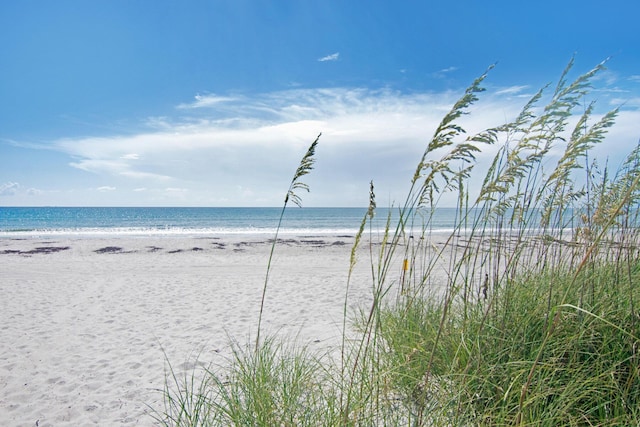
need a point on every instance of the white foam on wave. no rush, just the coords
(168, 231)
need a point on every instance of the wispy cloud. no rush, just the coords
(448, 70)
(441, 74)
(105, 189)
(512, 90)
(9, 188)
(625, 102)
(332, 57)
(34, 192)
(243, 151)
(174, 190)
(607, 77)
(209, 100)
(13, 189)
(611, 90)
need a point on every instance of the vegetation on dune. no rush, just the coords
(534, 321)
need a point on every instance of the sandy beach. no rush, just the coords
(85, 323)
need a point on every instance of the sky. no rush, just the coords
(214, 102)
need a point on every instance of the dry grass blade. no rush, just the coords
(305, 166)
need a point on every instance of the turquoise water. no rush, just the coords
(104, 221)
(163, 221)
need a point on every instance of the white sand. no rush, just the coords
(83, 334)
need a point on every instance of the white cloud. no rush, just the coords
(625, 102)
(607, 77)
(259, 142)
(448, 70)
(444, 73)
(207, 101)
(332, 57)
(246, 149)
(512, 90)
(105, 160)
(612, 90)
(105, 189)
(144, 175)
(9, 188)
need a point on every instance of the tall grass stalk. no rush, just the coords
(305, 166)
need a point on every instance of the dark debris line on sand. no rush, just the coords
(177, 251)
(112, 250)
(38, 250)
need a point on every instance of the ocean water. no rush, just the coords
(105, 221)
(148, 221)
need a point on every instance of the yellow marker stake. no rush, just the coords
(405, 265)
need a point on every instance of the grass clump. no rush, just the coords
(522, 363)
(276, 384)
(525, 315)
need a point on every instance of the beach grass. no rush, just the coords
(533, 322)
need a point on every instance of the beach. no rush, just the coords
(89, 325)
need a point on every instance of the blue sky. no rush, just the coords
(213, 103)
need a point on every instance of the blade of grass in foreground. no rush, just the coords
(305, 166)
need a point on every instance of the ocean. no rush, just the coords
(147, 221)
(157, 221)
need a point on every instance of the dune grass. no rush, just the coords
(534, 322)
